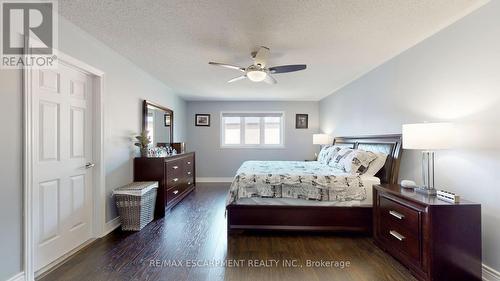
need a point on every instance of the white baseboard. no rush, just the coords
(490, 274)
(215, 179)
(111, 225)
(17, 277)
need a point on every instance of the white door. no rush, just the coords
(63, 174)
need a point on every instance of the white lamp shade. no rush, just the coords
(427, 136)
(322, 139)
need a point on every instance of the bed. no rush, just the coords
(307, 210)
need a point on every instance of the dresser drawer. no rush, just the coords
(188, 164)
(397, 213)
(174, 168)
(174, 192)
(189, 180)
(174, 181)
(401, 240)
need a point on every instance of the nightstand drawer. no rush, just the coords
(401, 239)
(435, 239)
(399, 214)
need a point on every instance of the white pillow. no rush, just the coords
(358, 161)
(376, 164)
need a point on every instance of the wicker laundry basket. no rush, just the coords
(136, 204)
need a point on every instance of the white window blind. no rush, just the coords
(252, 129)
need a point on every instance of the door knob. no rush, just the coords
(89, 165)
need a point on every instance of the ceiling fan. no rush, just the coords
(258, 71)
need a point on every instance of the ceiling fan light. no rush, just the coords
(256, 75)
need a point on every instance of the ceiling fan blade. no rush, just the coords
(287, 68)
(237, 79)
(261, 56)
(242, 69)
(270, 80)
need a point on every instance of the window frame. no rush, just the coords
(261, 127)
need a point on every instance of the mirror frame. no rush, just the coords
(145, 105)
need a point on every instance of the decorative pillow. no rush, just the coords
(376, 164)
(332, 152)
(323, 154)
(337, 160)
(326, 153)
(358, 161)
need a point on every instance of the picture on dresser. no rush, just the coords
(301, 121)
(202, 120)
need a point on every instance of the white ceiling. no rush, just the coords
(339, 40)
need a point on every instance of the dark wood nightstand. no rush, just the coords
(436, 240)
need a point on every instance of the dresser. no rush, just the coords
(175, 176)
(435, 239)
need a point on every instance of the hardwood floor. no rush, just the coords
(195, 232)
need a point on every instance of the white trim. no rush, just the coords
(490, 274)
(242, 132)
(214, 179)
(28, 236)
(111, 225)
(98, 192)
(17, 277)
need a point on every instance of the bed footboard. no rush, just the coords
(299, 218)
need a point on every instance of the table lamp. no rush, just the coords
(322, 139)
(427, 137)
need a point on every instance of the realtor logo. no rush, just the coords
(28, 34)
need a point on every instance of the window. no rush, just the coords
(252, 129)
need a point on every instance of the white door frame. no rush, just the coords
(98, 192)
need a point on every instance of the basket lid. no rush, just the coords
(136, 188)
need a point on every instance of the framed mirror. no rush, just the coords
(159, 122)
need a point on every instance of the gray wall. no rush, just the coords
(11, 173)
(452, 76)
(214, 161)
(125, 86)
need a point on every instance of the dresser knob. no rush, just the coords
(175, 167)
(189, 183)
(175, 179)
(396, 215)
(189, 162)
(189, 173)
(175, 191)
(396, 235)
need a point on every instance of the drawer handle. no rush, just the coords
(175, 179)
(175, 167)
(189, 173)
(396, 215)
(396, 235)
(189, 162)
(175, 191)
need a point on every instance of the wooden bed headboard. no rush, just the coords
(387, 144)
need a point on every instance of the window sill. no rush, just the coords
(251, 147)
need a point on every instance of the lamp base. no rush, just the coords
(426, 191)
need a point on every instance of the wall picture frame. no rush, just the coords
(167, 120)
(301, 121)
(202, 120)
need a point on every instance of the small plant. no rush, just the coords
(143, 142)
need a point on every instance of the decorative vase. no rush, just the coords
(144, 152)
